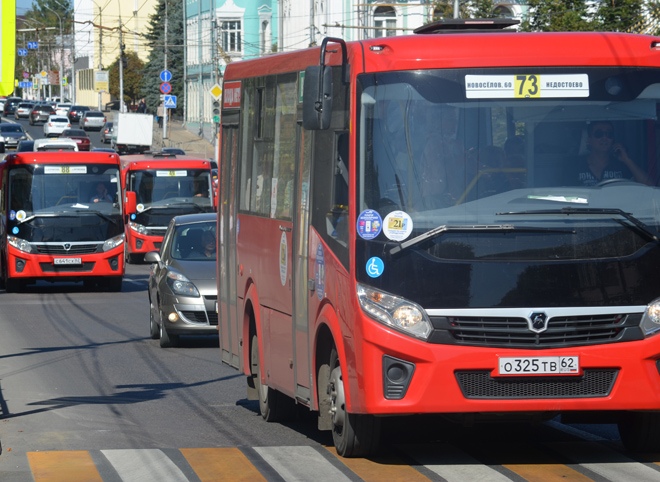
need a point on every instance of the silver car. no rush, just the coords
(182, 282)
(11, 134)
(92, 119)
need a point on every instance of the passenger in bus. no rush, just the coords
(606, 158)
(102, 195)
(514, 162)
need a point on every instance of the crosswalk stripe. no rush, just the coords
(547, 473)
(377, 469)
(213, 464)
(606, 462)
(301, 463)
(144, 464)
(63, 466)
(452, 464)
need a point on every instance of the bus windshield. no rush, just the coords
(494, 166)
(64, 202)
(158, 188)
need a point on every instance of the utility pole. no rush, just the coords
(61, 53)
(165, 109)
(122, 59)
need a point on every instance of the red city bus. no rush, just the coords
(156, 188)
(61, 219)
(408, 225)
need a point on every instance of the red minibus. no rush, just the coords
(422, 225)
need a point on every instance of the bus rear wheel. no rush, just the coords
(640, 431)
(354, 435)
(274, 406)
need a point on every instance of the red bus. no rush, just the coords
(158, 187)
(415, 225)
(61, 219)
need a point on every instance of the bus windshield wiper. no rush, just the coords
(30, 218)
(643, 229)
(483, 228)
(195, 205)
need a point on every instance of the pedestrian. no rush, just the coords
(160, 113)
(142, 106)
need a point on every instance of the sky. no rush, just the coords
(22, 6)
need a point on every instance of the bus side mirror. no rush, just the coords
(317, 97)
(130, 203)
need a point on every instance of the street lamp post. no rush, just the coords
(61, 53)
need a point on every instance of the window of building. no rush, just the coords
(231, 36)
(384, 22)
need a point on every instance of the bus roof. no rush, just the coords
(61, 157)
(150, 161)
(467, 49)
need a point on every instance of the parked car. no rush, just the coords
(80, 136)
(173, 150)
(22, 110)
(58, 144)
(40, 113)
(10, 105)
(62, 108)
(103, 149)
(112, 105)
(106, 132)
(92, 119)
(182, 288)
(11, 134)
(75, 113)
(55, 125)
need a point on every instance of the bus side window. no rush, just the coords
(339, 214)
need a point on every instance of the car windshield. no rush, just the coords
(11, 128)
(74, 132)
(195, 242)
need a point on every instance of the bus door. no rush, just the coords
(226, 275)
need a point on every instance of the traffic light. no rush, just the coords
(124, 61)
(216, 111)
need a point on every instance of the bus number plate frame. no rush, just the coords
(67, 261)
(538, 366)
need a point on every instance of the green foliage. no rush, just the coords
(133, 76)
(558, 16)
(175, 47)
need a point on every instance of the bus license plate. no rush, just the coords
(539, 365)
(67, 261)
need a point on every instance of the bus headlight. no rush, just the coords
(113, 242)
(138, 227)
(650, 324)
(394, 311)
(19, 244)
(180, 285)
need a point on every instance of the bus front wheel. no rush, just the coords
(640, 431)
(354, 435)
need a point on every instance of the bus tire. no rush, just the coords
(640, 431)
(112, 283)
(13, 285)
(354, 435)
(274, 406)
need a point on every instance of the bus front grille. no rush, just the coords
(592, 383)
(513, 332)
(68, 248)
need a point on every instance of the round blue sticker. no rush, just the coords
(15, 230)
(375, 267)
(369, 224)
(320, 272)
(132, 216)
(12, 215)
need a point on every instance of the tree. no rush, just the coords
(620, 16)
(558, 16)
(132, 78)
(172, 12)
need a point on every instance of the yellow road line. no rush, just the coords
(215, 464)
(63, 466)
(547, 472)
(377, 469)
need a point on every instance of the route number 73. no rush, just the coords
(527, 86)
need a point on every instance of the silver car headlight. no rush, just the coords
(650, 324)
(181, 285)
(138, 227)
(113, 242)
(19, 244)
(394, 311)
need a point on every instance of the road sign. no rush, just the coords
(165, 76)
(216, 91)
(166, 87)
(22, 52)
(33, 45)
(170, 102)
(26, 75)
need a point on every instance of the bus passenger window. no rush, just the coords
(338, 227)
